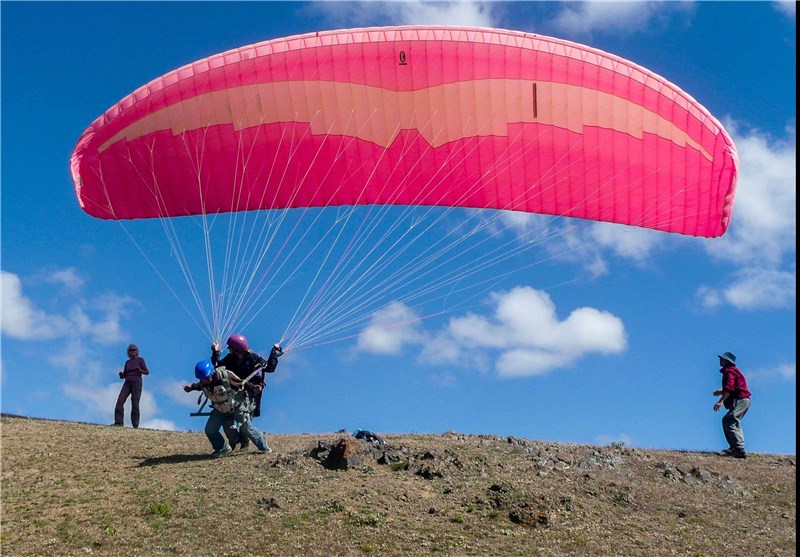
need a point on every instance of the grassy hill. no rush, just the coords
(80, 489)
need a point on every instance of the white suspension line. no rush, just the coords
(110, 208)
(490, 263)
(468, 192)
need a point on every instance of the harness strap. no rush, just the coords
(235, 398)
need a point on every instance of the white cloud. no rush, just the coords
(83, 323)
(759, 247)
(761, 243)
(781, 372)
(86, 381)
(470, 14)
(761, 289)
(479, 14)
(581, 18)
(559, 238)
(524, 337)
(164, 425)
(174, 391)
(788, 371)
(389, 329)
(623, 438)
(763, 227)
(591, 330)
(474, 330)
(523, 223)
(786, 7)
(23, 320)
(589, 244)
(527, 318)
(74, 357)
(68, 278)
(709, 297)
(753, 289)
(101, 400)
(95, 398)
(627, 241)
(107, 329)
(445, 379)
(585, 18)
(526, 362)
(441, 349)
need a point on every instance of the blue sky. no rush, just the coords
(611, 336)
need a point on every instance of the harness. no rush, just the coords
(225, 398)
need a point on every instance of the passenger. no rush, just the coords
(226, 393)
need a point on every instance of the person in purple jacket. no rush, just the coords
(132, 373)
(735, 397)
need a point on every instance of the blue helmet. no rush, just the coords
(204, 369)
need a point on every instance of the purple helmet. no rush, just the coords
(237, 343)
(204, 369)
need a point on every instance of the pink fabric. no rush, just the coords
(413, 115)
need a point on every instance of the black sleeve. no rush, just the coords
(228, 362)
(258, 360)
(272, 361)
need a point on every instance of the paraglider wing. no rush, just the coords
(440, 116)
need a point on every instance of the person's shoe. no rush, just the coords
(739, 453)
(726, 452)
(244, 447)
(117, 425)
(265, 450)
(223, 451)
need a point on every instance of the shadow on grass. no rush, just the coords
(172, 459)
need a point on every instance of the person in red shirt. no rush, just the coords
(132, 373)
(735, 397)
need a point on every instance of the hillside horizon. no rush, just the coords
(342, 431)
(73, 488)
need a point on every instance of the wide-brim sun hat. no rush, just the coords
(730, 356)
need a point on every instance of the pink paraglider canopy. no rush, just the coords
(443, 116)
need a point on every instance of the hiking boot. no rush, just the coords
(726, 452)
(117, 425)
(265, 450)
(223, 451)
(739, 453)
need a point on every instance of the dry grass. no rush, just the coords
(81, 489)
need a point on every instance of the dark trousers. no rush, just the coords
(131, 389)
(257, 404)
(732, 423)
